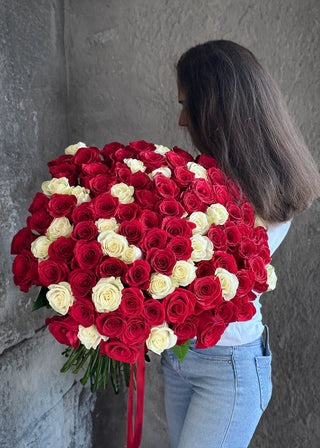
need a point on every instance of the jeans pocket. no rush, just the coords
(263, 366)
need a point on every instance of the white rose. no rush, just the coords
(162, 170)
(161, 149)
(131, 254)
(72, 149)
(201, 222)
(217, 214)
(135, 165)
(106, 295)
(123, 192)
(60, 297)
(107, 224)
(113, 244)
(161, 338)
(202, 248)
(90, 337)
(161, 285)
(82, 194)
(229, 283)
(272, 277)
(198, 170)
(40, 246)
(56, 185)
(59, 227)
(184, 272)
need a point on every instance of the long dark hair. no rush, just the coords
(237, 114)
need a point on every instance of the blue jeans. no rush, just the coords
(216, 396)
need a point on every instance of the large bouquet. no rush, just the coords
(139, 247)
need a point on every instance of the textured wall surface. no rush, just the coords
(121, 58)
(99, 71)
(39, 406)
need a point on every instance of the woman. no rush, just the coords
(235, 113)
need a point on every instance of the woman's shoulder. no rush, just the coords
(277, 231)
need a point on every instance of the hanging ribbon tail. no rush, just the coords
(134, 440)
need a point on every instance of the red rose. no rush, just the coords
(87, 155)
(192, 203)
(246, 310)
(153, 312)
(120, 351)
(105, 205)
(234, 211)
(152, 160)
(94, 169)
(170, 207)
(246, 282)
(125, 153)
(174, 160)
(162, 260)
(65, 159)
(225, 261)
(220, 194)
(65, 170)
(52, 271)
(257, 265)
(245, 230)
(182, 153)
(39, 203)
(127, 212)
(83, 312)
(209, 331)
(165, 187)
(136, 331)
(64, 330)
(25, 270)
(138, 274)
(88, 255)
(264, 253)
(227, 311)
(183, 176)
(123, 173)
(154, 238)
(62, 249)
(150, 219)
(82, 281)
(260, 236)
(178, 305)
(22, 240)
(216, 176)
(133, 231)
(233, 234)
(218, 236)
(112, 267)
(108, 151)
(39, 221)
(83, 212)
(99, 184)
(186, 330)
(235, 191)
(181, 247)
(203, 189)
(85, 230)
(131, 302)
(205, 268)
(247, 214)
(178, 227)
(111, 324)
(61, 205)
(247, 248)
(139, 180)
(142, 145)
(146, 198)
(207, 162)
(208, 292)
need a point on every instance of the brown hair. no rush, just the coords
(237, 115)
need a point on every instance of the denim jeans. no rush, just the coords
(216, 396)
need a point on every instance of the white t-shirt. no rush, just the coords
(238, 333)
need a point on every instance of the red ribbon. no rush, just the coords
(134, 439)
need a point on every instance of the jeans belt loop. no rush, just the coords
(266, 341)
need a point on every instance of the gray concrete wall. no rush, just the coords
(98, 71)
(121, 57)
(39, 406)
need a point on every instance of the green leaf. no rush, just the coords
(180, 351)
(41, 300)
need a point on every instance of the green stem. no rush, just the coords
(73, 357)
